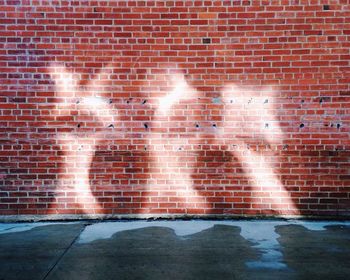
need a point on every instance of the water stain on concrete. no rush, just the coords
(19, 227)
(29, 251)
(219, 252)
(261, 234)
(316, 254)
(197, 249)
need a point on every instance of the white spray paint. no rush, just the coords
(256, 165)
(171, 147)
(77, 162)
(167, 101)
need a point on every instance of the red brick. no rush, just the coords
(205, 142)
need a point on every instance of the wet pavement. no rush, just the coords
(195, 249)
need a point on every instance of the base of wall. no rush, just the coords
(91, 217)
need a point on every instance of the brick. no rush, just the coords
(174, 108)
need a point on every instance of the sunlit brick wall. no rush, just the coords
(175, 107)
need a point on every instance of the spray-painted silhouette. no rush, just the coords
(245, 119)
(93, 118)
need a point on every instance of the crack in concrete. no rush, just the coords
(64, 252)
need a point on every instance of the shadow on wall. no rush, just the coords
(169, 148)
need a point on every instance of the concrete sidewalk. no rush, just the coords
(197, 249)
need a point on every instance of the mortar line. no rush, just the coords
(64, 253)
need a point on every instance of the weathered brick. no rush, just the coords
(177, 107)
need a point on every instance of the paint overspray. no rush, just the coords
(79, 145)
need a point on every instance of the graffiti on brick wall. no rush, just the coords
(180, 128)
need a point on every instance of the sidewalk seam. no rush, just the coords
(64, 253)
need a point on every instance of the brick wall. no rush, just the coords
(175, 107)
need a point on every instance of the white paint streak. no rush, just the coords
(180, 91)
(166, 148)
(265, 179)
(77, 162)
(95, 102)
(259, 166)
